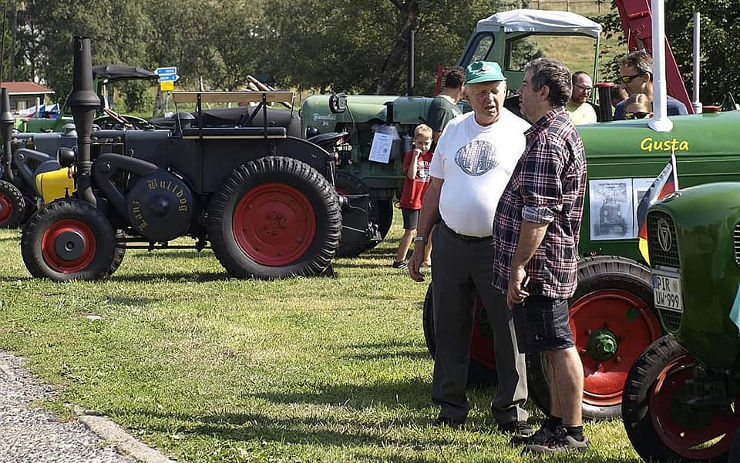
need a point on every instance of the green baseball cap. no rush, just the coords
(483, 71)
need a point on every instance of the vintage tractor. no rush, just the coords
(264, 200)
(612, 312)
(680, 400)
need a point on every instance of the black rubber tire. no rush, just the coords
(385, 211)
(594, 274)
(479, 375)
(346, 183)
(11, 198)
(106, 256)
(638, 393)
(293, 174)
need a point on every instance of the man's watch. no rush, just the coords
(422, 239)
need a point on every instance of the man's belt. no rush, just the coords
(472, 239)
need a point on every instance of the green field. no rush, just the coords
(212, 369)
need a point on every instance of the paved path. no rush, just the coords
(29, 434)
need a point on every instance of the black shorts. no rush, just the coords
(410, 218)
(542, 323)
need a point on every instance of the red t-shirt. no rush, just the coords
(413, 190)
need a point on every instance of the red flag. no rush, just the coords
(665, 183)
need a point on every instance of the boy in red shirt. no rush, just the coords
(416, 167)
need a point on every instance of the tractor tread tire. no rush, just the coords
(11, 195)
(107, 256)
(316, 260)
(638, 390)
(479, 374)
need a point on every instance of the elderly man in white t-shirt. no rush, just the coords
(475, 157)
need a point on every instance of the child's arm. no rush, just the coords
(411, 171)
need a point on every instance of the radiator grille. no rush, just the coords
(663, 248)
(662, 242)
(736, 242)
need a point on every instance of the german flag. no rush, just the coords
(665, 183)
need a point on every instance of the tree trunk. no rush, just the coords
(392, 70)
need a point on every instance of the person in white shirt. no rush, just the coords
(472, 164)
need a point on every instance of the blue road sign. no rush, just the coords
(168, 78)
(172, 70)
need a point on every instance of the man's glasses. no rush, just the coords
(628, 79)
(636, 115)
(584, 89)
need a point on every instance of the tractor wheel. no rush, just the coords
(12, 205)
(613, 321)
(348, 184)
(275, 217)
(482, 367)
(660, 422)
(385, 211)
(70, 239)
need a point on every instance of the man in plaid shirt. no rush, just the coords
(536, 231)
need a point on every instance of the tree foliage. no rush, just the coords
(338, 45)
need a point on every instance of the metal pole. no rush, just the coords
(697, 50)
(410, 58)
(660, 121)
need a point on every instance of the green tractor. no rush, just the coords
(613, 314)
(681, 396)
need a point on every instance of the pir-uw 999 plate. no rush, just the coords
(667, 289)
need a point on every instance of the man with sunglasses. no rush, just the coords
(579, 109)
(636, 76)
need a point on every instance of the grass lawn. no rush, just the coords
(213, 369)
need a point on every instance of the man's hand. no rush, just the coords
(516, 293)
(414, 264)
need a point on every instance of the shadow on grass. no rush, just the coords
(174, 276)
(379, 351)
(242, 427)
(170, 253)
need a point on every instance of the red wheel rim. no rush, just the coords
(274, 224)
(57, 235)
(708, 440)
(631, 323)
(6, 208)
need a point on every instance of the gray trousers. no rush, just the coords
(460, 271)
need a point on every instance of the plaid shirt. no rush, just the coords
(547, 185)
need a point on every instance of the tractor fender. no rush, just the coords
(305, 151)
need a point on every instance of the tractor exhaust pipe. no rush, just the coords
(83, 102)
(6, 131)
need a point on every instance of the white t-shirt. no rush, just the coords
(476, 163)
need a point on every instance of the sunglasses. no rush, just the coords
(584, 89)
(628, 79)
(636, 115)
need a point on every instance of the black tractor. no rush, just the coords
(263, 200)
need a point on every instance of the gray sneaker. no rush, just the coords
(566, 443)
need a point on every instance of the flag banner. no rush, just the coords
(665, 183)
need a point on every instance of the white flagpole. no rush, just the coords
(675, 171)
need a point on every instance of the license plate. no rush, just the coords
(667, 290)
